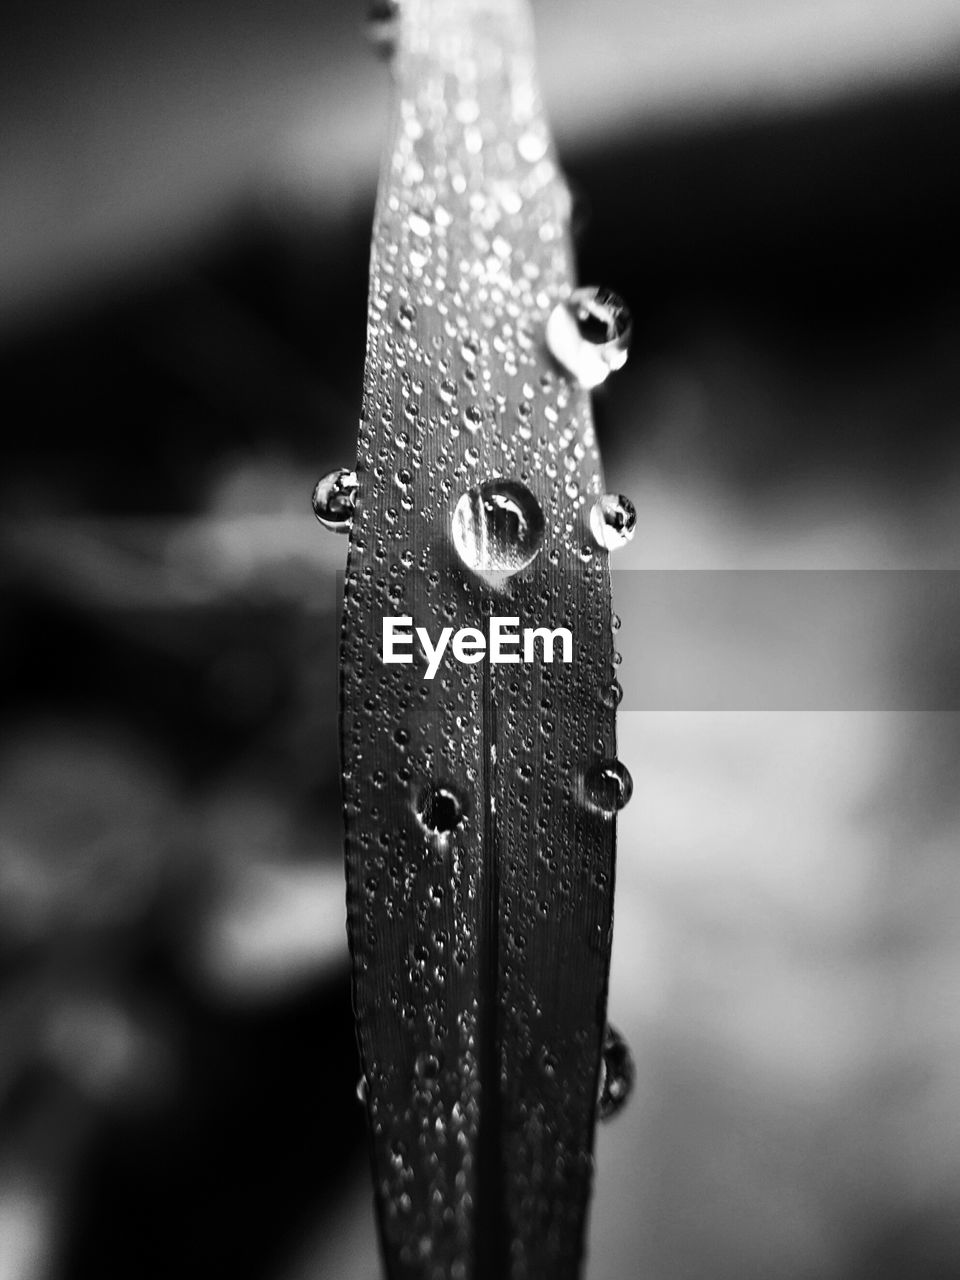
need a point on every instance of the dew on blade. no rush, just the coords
(335, 499)
(472, 842)
(589, 334)
(613, 521)
(609, 785)
(498, 527)
(617, 1074)
(439, 808)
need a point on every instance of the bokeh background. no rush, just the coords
(185, 210)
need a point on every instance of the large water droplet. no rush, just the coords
(609, 785)
(439, 808)
(335, 499)
(497, 528)
(616, 1074)
(613, 521)
(589, 334)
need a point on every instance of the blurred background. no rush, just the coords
(187, 194)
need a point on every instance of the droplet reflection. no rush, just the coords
(613, 521)
(497, 528)
(609, 785)
(335, 499)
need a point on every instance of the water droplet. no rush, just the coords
(419, 224)
(426, 1066)
(383, 26)
(497, 527)
(589, 334)
(362, 1090)
(473, 417)
(335, 499)
(611, 695)
(613, 521)
(609, 785)
(439, 808)
(533, 145)
(616, 1074)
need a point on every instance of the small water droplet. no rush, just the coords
(612, 695)
(419, 224)
(426, 1066)
(473, 417)
(589, 334)
(383, 26)
(616, 1074)
(362, 1090)
(498, 527)
(609, 785)
(613, 521)
(439, 808)
(335, 499)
